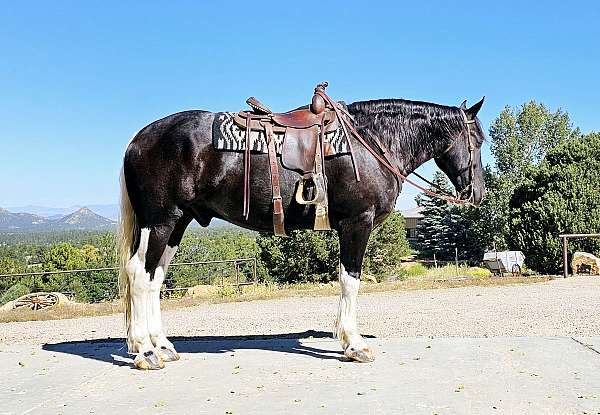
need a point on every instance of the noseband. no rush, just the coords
(441, 193)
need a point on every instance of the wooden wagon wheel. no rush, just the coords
(516, 270)
(37, 301)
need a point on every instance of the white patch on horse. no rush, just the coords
(346, 329)
(138, 339)
(155, 329)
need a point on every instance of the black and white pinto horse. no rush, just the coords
(172, 175)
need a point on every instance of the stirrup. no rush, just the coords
(319, 184)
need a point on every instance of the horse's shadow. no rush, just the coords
(114, 350)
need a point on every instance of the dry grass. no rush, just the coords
(63, 311)
(265, 292)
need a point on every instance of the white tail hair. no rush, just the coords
(125, 239)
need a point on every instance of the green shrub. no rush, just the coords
(14, 292)
(210, 245)
(387, 246)
(559, 196)
(307, 256)
(414, 270)
(227, 291)
(478, 272)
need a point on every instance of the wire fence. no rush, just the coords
(101, 284)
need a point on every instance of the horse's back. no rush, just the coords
(171, 132)
(161, 160)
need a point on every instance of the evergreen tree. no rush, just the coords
(446, 229)
(520, 139)
(435, 228)
(560, 196)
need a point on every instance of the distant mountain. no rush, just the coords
(48, 219)
(55, 217)
(15, 221)
(110, 211)
(44, 211)
(81, 219)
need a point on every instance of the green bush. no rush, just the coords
(307, 256)
(413, 270)
(559, 196)
(387, 246)
(14, 292)
(210, 245)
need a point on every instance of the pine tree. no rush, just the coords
(445, 229)
(435, 228)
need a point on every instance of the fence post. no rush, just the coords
(456, 259)
(565, 265)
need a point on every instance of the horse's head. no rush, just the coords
(461, 160)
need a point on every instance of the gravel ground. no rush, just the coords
(556, 308)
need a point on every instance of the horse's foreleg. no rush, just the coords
(354, 236)
(138, 336)
(164, 347)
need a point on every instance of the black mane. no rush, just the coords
(408, 125)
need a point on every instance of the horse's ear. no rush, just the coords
(472, 112)
(463, 106)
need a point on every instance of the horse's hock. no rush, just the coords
(585, 263)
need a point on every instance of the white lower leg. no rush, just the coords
(157, 336)
(138, 339)
(346, 328)
(154, 318)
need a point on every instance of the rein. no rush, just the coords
(340, 112)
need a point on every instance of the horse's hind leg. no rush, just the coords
(354, 235)
(164, 347)
(142, 272)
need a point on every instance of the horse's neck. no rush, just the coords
(410, 151)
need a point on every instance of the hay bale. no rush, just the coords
(369, 278)
(8, 306)
(585, 263)
(63, 299)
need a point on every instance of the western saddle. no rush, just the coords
(303, 150)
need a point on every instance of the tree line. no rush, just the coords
(305, 257)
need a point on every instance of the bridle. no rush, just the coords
(471, 167)
(344, 116)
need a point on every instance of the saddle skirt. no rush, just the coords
(228, 136)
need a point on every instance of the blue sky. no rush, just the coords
(78, 79)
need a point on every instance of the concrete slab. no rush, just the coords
(537, 375)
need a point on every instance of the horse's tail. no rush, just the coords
(126, 237)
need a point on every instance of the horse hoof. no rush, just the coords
(148, 361)
(363, 355)
(167, 354)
